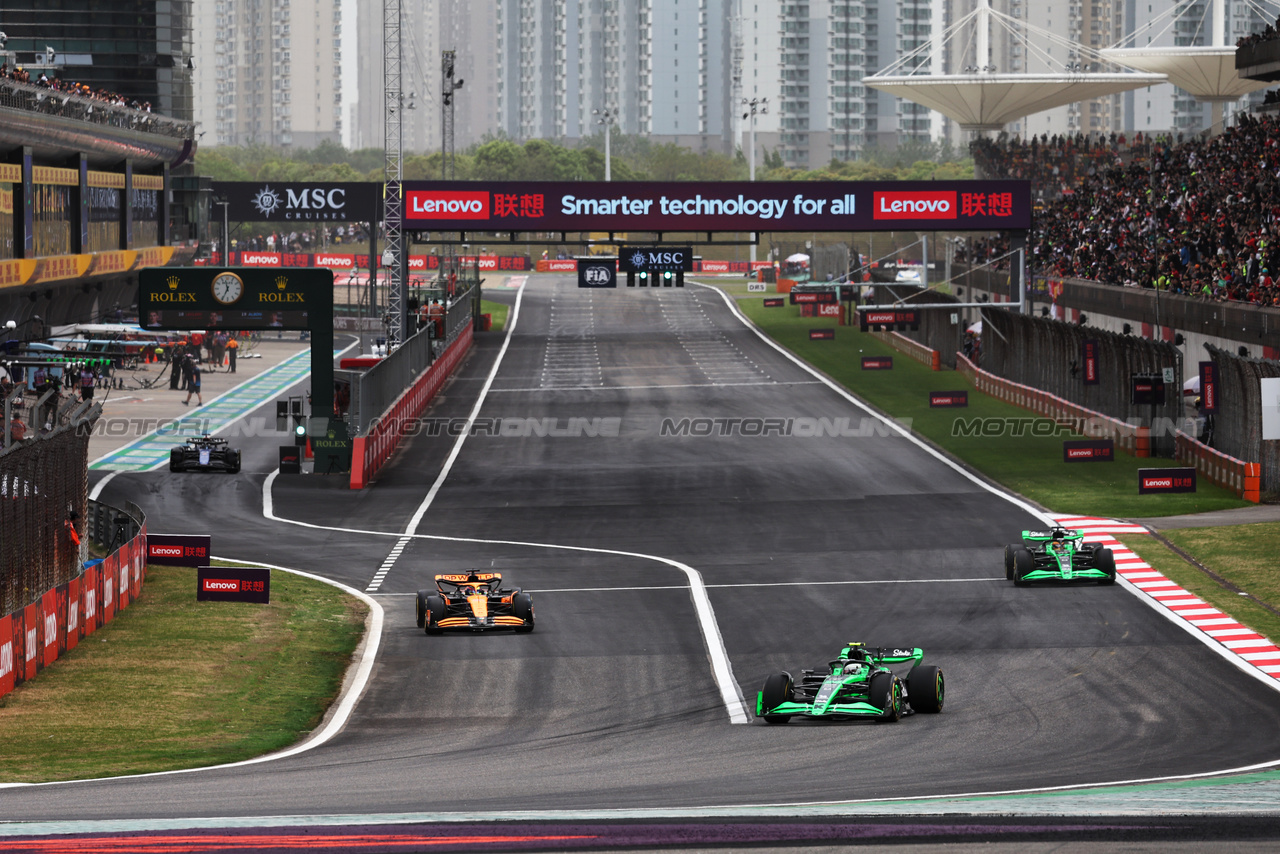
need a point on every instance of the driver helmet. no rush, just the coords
(852, 667)
(468, 591)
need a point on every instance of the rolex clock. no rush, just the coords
(227, 288)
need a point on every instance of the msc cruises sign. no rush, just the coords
(300, 202)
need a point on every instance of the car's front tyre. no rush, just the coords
(1008, 561)
(1024, 563)
(885, 691)
(926, 688)
(1104, 560)
(777, 690)
(522, 607)
(422, 608)
(175, 459)
(436, 611)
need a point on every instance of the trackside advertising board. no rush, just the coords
(241, 584)
(179, 549)
(1089, 450)
(1166, 480)
(721, 206)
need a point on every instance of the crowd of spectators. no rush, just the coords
(1270, 33)
(18, 74)
(1195, 217)
(322, 238)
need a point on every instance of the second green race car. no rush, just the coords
(1059, 554)
(858, 684)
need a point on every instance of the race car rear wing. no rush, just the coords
(470, 577)
(886, 654)
(1045, 536)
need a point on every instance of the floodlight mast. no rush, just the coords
(393, 147)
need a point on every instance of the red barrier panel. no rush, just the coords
(49, 628)
(90, 583)
(107, 606)
(1226, 471)
(8, 668)
(911, 347)
(72, 605)
(30, 641)
(370, 451)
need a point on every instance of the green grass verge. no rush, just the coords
(1029, 465)
(1244, 555)
(496, 310)
(175, 683)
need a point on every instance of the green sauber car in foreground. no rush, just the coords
(1059, 554)
(858, 684)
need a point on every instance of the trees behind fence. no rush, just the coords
(43, 482)
(1238, 422)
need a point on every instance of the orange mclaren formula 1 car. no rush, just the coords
(474, 601)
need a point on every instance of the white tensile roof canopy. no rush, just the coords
(980, 99)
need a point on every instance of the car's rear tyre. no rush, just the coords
(1008, 561)
(926, 688)
(1104, 560)
(422, 608)
(1023, 565)
(434, 614)
(885, 691)
(175, 460)
(522, 607)
(777, 690)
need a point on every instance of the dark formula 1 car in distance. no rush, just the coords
(858, 684)
(1059, 554)
(205, 453)
(474, 601)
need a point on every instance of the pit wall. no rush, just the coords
(371, 451)
(1231, 474)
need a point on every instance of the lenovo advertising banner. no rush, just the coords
(939, 399)
(241, 584)
(1209, 387)
(774, 302)
(1166, 480)
(1089, 450)
(888, 319)
(179, 549)
(877, 363)
(720, 206)
(1089, 359)
(822, 334)
(813, 297)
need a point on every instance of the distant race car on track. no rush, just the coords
(205, 453)
(858, 684)
(474, 601)
(1059, 554)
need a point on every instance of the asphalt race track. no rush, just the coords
(803, 542)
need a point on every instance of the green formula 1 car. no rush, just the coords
(1059, 554)
(858, 684)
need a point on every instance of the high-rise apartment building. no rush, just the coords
(277, 71)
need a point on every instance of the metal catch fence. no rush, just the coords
(1048, 354)
(1238, 422)
(44, 487)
